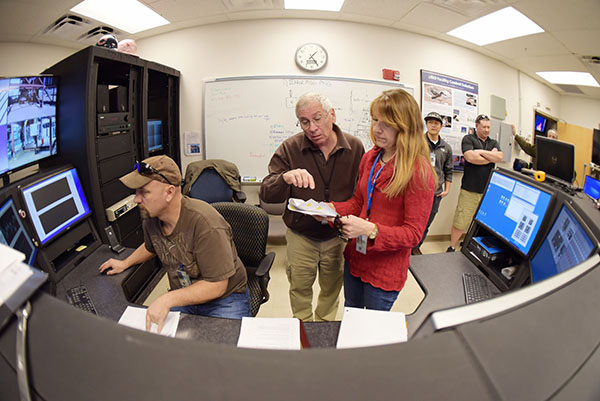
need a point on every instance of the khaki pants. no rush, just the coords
(306, 258)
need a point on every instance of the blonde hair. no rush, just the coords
(398, 109)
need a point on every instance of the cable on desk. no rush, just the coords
(22, 375)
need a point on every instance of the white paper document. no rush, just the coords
(270, 333)
(13, 273)
(311, 207)
(136, 318)
(365, 328)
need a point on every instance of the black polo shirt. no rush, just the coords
(476, 176)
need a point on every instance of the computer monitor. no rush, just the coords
(591, 187)
(55, 203)
(27, 121)
(13, 233)
(596, 147)
(555, 158)
(513, 210)
(566, 245)
(154, 135)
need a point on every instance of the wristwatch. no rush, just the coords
(374, 233)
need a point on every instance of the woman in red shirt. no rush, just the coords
(389, 210)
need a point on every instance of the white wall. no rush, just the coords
(266, 47)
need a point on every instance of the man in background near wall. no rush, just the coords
(529, 148)
(440, 154)
(319, 163)
(481, 155)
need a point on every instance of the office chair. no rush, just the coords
(250, 227)
(213, 180)
(277, 227)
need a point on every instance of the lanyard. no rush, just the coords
(327, 197)
(371, 184)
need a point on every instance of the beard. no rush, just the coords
(143, 213)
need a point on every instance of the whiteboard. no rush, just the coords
(247, 118)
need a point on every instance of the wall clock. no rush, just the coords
(311, 57)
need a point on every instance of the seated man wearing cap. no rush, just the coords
(193, 242)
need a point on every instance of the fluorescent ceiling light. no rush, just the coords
(569, 78)
(501, 25)
(322, 5)
(128, 15)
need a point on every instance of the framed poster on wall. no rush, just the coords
(456, 100)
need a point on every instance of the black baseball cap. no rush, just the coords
(434, 116)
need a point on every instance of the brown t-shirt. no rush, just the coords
(202, 242)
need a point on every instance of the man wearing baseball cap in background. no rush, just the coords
(440, 154)
(193, 242)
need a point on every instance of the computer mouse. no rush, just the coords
(106, 271)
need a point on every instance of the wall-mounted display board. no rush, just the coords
(456, 100)
(247, 118)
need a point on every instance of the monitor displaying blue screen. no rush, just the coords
(565, 246)
(591, 187)
(513, 210)
(540, 123)
(12, 232)
(154, 135)
(27, 121)
(55, 204)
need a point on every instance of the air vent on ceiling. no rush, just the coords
(96, 33)
(68, 26)
(570, 89)
(591, 59)
(245, 5)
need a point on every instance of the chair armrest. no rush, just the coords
(265, 264)
(240, 196)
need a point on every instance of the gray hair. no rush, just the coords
(552, 130)
(307, 98)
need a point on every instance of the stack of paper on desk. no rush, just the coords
(272, 333)
(311, 207)
(365, 328)
(136, 318)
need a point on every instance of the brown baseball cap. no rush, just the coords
(160, 168)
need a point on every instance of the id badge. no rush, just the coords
(361, 244)
(184, 278)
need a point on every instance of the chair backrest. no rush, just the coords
(211, 187)
(250, 228)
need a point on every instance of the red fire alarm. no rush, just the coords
(392, 75)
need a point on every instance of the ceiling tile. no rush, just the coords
(541, 44)
(583, 42)
(434, 17)
(387, 9)
(557, 15)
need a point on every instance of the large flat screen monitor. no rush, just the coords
(540, 123)
(566, 245)
(154, 135)
(591, 187)
(13, 233)
(27, 121)
(513, 210)
(55, 204)
(555, 158)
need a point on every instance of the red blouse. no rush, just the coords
(401, 221)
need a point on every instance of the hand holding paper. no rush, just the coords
(311, 207)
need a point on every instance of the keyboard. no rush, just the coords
(476, 288)
(80, 298)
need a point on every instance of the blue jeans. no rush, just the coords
(359, 294)
(235, 306)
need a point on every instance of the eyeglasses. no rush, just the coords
(317, 120)
(481, 117)
(147, 170)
